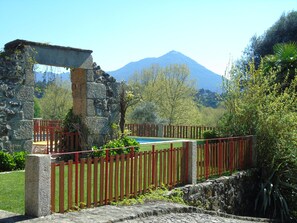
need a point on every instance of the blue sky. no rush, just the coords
(212, 32)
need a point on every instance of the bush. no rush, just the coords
(210, 134)
(19, 159)
(7, 162)
(121, 144)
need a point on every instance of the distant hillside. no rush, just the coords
(205, 78)
(40, 76)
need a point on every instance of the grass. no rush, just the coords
(12, 187)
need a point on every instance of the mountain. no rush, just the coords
(205, 78)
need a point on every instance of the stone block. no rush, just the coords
(37, 185)
(28, 110)
(27, 146)
(29, 77)
(97, 125)
(96, 91)
(23, 131)
(90, 75)
(90, 107)
(25, 93)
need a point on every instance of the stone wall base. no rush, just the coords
(233, 194)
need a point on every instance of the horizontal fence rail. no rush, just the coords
(225, 155)
(169, 131)
(93, 181)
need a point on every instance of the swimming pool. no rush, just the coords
(144, 140)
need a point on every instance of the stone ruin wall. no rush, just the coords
(16, 101)
(94, 92)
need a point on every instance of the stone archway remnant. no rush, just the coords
(94, 91)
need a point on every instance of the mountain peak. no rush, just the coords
(205, 78)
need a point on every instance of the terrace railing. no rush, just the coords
(169, 131)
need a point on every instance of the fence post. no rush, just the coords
(254, 151)
(160, 131)
(191, 161)
(38, 185)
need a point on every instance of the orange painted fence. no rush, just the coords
(57, 141)
(170, 131)
(41, 128)
(224, 155)
(93, 181)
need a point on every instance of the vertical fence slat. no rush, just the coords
(82, 182)
(70, 178)
(53, 187)
(122, 177)
(61, 187)
(116, 182)
(95, 182)
(101, 195)
(89, 182)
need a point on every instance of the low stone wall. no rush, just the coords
(233, 194)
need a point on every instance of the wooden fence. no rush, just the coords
(57, 141)
(41, 128)
(93, 181)
(170, 131)
(218, 156)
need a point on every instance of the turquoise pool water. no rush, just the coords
(150, 140)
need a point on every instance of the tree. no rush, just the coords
(37, 108)
(145, 112)
(283, 62)
(127, 97)
(171, 90)
(57, 101)
(283, 31)
(258, 106)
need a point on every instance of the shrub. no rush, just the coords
(7, 162)
(19, 159)
(121, 143)
(210, 134)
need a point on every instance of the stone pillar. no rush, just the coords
(37, 185)
(160, 131)
(191, 162)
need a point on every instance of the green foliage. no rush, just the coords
(14, 161)
(72, 122)
(145, 112)
(210, 116)
(19, 159)
(282, 31)
(256, 104)
(57, 101)
(7, 162)
(171, 90)
(37, 108)
(208, 98)
(210, 134)
(122, 144)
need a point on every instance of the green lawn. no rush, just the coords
(12, 187)
(12, 184)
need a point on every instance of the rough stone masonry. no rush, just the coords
(94, 92)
